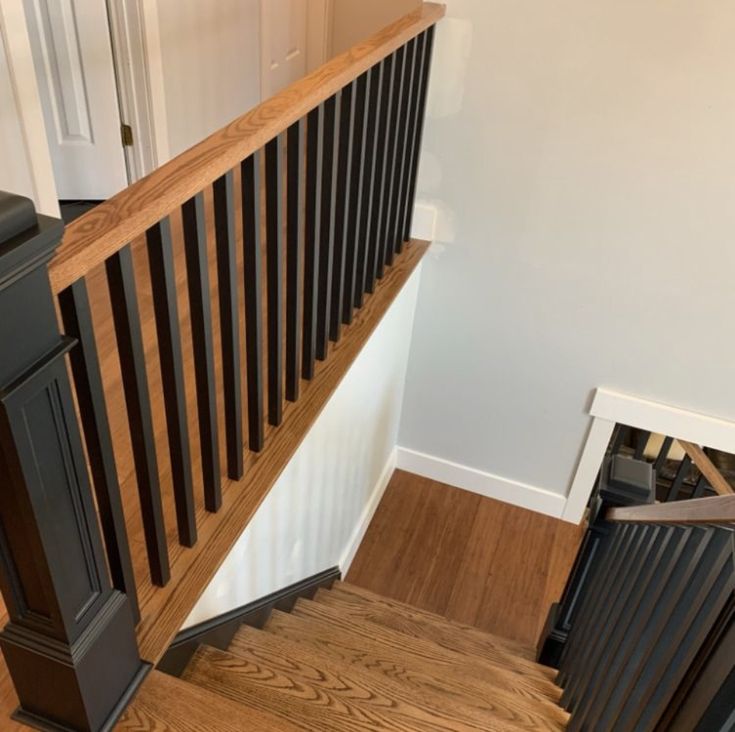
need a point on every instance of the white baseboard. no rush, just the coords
(367, 514)
(486, 484)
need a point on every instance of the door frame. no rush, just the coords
(136, 51)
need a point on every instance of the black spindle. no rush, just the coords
(314, 140)
(121, 283)
(326, 245)
(197, 275)
(294, 257)
(681, 474)
(229, 308)
(250, 170)
(355, 249)
(163, 284)
(274, 272)
(77, 318)
(419, 132)
(341, 243)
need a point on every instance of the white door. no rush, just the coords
(283, 43)
(76, 78)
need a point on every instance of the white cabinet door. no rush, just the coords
(76, 78)
(283, 42)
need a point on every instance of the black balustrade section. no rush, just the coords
(229, 309)
(121, 283)
(200, 308)
(163, 285)
(68, 627)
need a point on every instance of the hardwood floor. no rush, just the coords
(466, 557)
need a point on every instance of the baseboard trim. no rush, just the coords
(219, 631)
(358, 533)
(485, 484)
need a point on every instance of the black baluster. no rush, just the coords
(121, 283)
(368, 219)
(294, 258)
(163, 284)
(394, 130)
(355, 251)
(326, 245)
(85, 367)
(681, 473)
(416, 146)
(342, 202)
(229, 309)
(250, 170)
(314, 140)
(274, 269)
(382, 169)
(200, 305)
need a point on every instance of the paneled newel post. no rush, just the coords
(624, 481)
(70, 644)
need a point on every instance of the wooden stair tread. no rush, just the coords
(415, 674)
(164, 703)
(427, 624)
(471, 668)
(282, 677)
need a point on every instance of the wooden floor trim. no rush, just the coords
(164, 610)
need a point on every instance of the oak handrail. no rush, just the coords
(700, 458)
(718, 510)
(104, 230)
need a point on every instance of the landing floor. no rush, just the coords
(466, 557)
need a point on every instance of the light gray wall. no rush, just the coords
(581, 156)
(210, 56)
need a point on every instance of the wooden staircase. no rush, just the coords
(352, 660)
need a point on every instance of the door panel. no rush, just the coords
(76, 78)
(284, 43)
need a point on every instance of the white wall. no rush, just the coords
(580, 155)
(354, 20)
(25, 164)
(210, 62)
(315, 515)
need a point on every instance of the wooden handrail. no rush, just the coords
(700, 458)
(718, 510)
(104, 230)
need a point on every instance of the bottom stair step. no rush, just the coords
(282, 678)
(166, 704)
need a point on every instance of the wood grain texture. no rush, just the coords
(101, 232)
(473, 669)
(286, 678)
(163, 610)
(422, 624)
(700, 458)
(468, 558)
(415, 674)
(716, 510)
(166, 704)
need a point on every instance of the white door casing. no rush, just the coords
(76, 78)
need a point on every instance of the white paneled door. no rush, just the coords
(283, 43)
(72, 54)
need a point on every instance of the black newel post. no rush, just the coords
(623, 482)
(70, 643)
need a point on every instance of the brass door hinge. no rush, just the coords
(127, 135)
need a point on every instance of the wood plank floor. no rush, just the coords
(469, 558)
